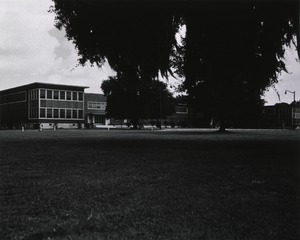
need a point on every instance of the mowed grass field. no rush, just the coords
(96, 184)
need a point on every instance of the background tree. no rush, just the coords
(145, 100)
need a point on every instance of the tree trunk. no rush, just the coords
(222, 125)
(135, 123)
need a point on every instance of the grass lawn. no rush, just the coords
(96, 184)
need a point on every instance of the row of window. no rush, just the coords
(97, 105)
(181, 110)
(61, 95)
(61, 113)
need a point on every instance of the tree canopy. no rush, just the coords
(231, 52)
(145, 100)
(135, 38)
(232, 57)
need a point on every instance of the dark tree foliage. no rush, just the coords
(232, 50)
(145, 100)
(135, 37)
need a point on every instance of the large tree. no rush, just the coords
(232, 50)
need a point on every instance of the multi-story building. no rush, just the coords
(41, 104)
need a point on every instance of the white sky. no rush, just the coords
(33, 50)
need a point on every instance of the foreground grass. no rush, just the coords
(149, 185)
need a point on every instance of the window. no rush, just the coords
(62, 95)
(55, 113)
(98, 119)
(80, 114)
(42, 93)
(68, 113)
(62, 113)
(181, 110)
(74, 96)
(55, 95)
(42, 112)
(80, 96)
(97, 105)
(49, 112)
(74, 113)
(49, 94)
(68, 95)
(33, 94)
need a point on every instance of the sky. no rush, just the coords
(33, 50)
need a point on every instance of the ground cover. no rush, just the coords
(97, 184)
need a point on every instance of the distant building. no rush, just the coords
(181, 115)
(50, 106)
(281, 115)
(94, 109)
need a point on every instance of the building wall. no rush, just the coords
(13, 108)
(50, 105)
(95, 110)
(295, 111)
(60, 106)
(180, 118)
(281, 115)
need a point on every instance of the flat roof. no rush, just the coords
(44, 85)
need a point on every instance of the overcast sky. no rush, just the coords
(33, 50)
